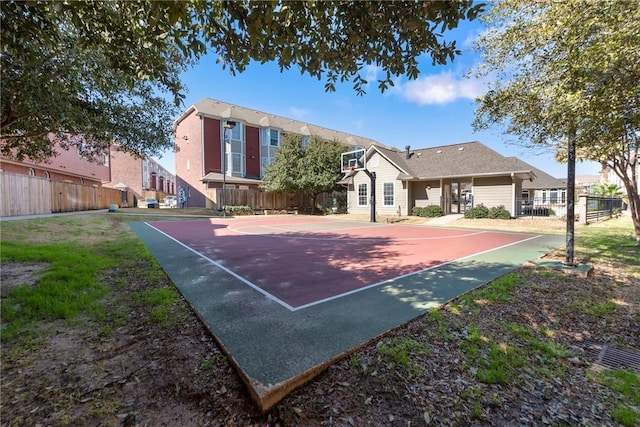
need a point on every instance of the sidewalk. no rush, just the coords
(444, 220)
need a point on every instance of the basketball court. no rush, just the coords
(285, 296)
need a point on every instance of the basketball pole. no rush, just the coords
(372, 198)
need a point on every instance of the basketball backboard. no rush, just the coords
(354, 160)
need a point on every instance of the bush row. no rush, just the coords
(481, 211)
(431, 211)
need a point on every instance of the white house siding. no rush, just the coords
(494, 191)
(385, 173)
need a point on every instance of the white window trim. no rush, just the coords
(393, 194)
(366, 186)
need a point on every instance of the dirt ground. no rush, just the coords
(146, 374)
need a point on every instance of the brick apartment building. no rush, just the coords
(139, 175)
(250, 146)
(116, 169)
(68, 166)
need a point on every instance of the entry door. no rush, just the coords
(446, 196)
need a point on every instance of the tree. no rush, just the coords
(283, 173)
(88, 68)
(607, 189)
(312, 170)
(567, 76)
(321, 167)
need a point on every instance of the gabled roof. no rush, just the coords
(208, 107)
(457, 160)
(543, 180)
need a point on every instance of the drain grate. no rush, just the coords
(614, 358)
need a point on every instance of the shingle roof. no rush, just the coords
(542, 180)
(456, 160)
(221, 110)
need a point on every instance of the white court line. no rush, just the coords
(226, 270)
(311, 304)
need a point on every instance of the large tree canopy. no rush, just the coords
(91, 68)
(312, 170)
(568, 71)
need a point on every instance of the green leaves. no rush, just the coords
(565, 70)
(312, 170)
(73, 68)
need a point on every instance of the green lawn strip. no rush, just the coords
(626, 410)
(76, 281)
(611, 241)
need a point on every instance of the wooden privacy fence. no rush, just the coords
(24, 195)
(30, 195)
(261, 200)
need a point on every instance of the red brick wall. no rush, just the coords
(127, 170)
(66, 166)
(189, 164)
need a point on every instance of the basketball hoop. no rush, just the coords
(352, 168)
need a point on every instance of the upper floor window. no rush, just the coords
(274, 137)
(305, 141)
(270, 137)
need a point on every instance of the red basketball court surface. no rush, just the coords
(311, 289)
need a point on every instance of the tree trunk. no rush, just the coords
(634, 205)
(571, 200)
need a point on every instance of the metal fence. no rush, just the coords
(538, 207)
(599, 208)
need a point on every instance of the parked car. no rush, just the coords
(171, 201)
(152, 203)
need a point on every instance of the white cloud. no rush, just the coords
(441, 88)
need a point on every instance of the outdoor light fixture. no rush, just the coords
(227, 125)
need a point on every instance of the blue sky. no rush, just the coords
(436, 109)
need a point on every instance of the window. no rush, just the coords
(82, 149)
(305, 141)
(269, 141)
(388, 189)
(362, 195)
(236, 163)
(274, 138)
(553, 197)
(32, 172)
(235, 149)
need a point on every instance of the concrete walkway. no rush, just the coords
(276, 350)
(444, 220)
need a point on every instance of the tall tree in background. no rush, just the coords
(321, 167)
(283, 173)
(312, 170)
(102, 69)
(567, 78)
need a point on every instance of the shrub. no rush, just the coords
(477, 212)
(431, 211)
(239, 209)
(499, 212)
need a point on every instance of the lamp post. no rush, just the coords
(227, 125)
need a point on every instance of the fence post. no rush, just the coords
(583, 202)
